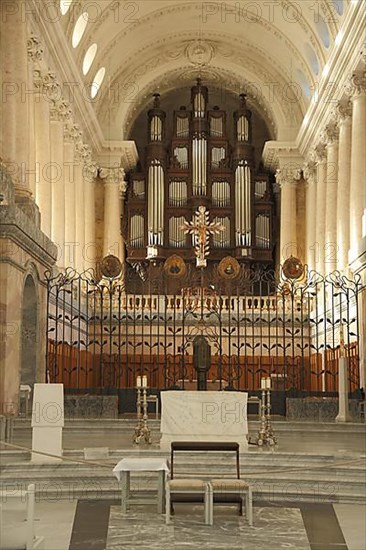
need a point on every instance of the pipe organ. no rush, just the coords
(200, 163)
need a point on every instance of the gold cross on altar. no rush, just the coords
(201, 227)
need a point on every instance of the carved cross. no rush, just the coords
(201, 227)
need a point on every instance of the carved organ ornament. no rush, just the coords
(199, 165)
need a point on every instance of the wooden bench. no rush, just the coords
(219, 490)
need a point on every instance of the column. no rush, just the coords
(35, 55)
(14, 106)
(344, 110)
(59, 114)
(45, 86)
(358, 162)
(287, 179)
(72, 135)
(90, 249)
(79, 207)
(310, 177)
(114, 186)
(331, 250)
(321, 181)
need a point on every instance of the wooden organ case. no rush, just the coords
(200, 165)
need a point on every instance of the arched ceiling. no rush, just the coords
(268, 49)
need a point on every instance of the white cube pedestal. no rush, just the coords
(47, 422)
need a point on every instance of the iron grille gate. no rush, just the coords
(102, 334)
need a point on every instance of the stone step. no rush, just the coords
(130, 423)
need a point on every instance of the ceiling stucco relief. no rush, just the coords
(163, 14)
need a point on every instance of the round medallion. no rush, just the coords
(229, 268)
(293, 268)
(110, 267)
(175, 266)
(199, 53)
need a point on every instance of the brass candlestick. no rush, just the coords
(142, 431)
(265, 434)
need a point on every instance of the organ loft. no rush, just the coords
(198, 162)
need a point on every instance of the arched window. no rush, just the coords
(89, 58)
(339, 6)
(79, 29)
(97, 82)
(312, 58)
(65, 6)
(323, 30)
(304, 83)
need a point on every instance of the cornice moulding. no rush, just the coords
(342, 62)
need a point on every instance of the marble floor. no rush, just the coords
(100, 525)
(97, 523)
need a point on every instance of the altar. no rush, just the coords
(201, 416)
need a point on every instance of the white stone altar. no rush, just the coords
(204, 416)
(47, 421)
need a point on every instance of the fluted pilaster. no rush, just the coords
(114, 189)
(321, 189)
(344, 113)
(358, 163)
(310, 176)
(287, 180)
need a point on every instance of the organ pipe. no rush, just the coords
(155, 204)
(182, 126)
(156, 128)
(262, 231)
(199, 166)
(137, 231)
(243, 205)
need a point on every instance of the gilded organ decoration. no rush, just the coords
(201, 164)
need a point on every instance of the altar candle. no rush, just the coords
(263, 384)
(138, 382)
(144, 381)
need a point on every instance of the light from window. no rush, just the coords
(79, 29)
(304, 83)
(323, 31)
(338, 4)
(312, 58)
(65, 6)
(97, 82)
(89, 58)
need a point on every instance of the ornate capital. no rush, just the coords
(90, 170)
(331, 133)
(343, 110)
(35, 51)
(47, 85)
(288, 175)
(112, 175)
(60, 111)
(309, 171)
(320, 152)
(72, 133)
(358, 82)
(83, 152)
